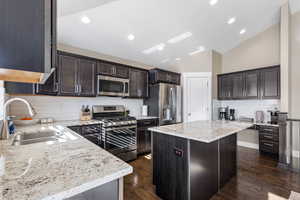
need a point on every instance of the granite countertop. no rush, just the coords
(203, 131)
(57, 170)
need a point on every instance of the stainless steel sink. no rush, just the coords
(37, 136)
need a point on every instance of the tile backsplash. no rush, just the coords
(247, 108)
(68, 108)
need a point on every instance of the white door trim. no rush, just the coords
(184, 78)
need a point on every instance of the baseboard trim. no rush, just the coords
(248, 145)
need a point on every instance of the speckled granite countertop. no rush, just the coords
(203, 131)
(57, 170)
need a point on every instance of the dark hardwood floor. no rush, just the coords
(258, 179)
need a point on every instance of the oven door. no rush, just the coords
(119, 140)
(111, 86)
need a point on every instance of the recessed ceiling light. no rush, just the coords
(200, 49)
(131, 37)
(231, 20)
(213, 2)
(177, 59)
(85, 20)
(243, 31)
(180, 37)
(158, 47)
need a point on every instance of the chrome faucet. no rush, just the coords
(5, 129)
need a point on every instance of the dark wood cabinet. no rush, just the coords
(67, 75)
(270, 83)
(76, 76)
(50, 87)
(112, 69)
(162, 76)
(138, 83)
(170, 167)
(144, 136)
(252, 84)
(238, 85)
(269, 140)
(86, 77)
(28, 35)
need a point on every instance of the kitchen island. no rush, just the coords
(193, 161)
(70, 168)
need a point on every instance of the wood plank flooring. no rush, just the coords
(258, 179)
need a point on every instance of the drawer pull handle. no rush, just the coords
(270, 145)
(268, 136)
(268, 129)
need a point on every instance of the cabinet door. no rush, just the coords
(162, 76)
(238, 85)
(141, 141)
(138, 83)
(67, 75)
(270, 83)
(175, 79)
(225, 87)
(252, 85)
(86, 77)
(121, 71)
(105, 68)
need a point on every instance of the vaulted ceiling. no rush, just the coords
(154, 22)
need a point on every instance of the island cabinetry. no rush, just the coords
(185, 169)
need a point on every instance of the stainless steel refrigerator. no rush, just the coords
(165, 103)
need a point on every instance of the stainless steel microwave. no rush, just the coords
(111, 86)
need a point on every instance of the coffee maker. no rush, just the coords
(232, 115)
(224, 113)
(273, 116)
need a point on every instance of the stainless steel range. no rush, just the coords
(118, 131)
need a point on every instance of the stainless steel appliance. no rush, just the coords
(118, 131)
(224, 113)
(165, 103)
(273, 116)
(232, 115)
(111, 86)
(259, 116)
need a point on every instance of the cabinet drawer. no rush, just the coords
(268, 146)
(146, 123)
(269, 136)
(269, 129)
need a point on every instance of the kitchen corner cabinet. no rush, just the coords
(138, 83)
(28, 35)
(261, 83)
(112, 69)
(162, 76)
(76, 76)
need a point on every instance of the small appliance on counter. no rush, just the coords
(273, 116)
(85, 114)
(224, 113)
(232, 115)
(259, 116)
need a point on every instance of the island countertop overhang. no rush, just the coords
(203, 131)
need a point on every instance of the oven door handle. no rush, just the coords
(118, 128)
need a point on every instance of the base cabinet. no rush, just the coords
(186, 169)
(144, 136)
(108, 191)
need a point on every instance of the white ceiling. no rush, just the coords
(156, 21)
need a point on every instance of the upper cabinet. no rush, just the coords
(253, 84)
(162, 76)
(138, 83)
(112, 69)
(28, 35)
(76, 76)
(270, 83)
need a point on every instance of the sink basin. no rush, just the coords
(36, 136)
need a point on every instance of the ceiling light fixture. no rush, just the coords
(243, 31)
(231, 20)
(200, 49)
(177, 59)
(180, 37)
(85, 20)
(131, 37)
(213, 2)
(158, 47)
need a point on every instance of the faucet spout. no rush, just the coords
(5, 132)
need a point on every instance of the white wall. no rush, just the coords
(68, 108)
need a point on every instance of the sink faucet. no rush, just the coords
(5, 129)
